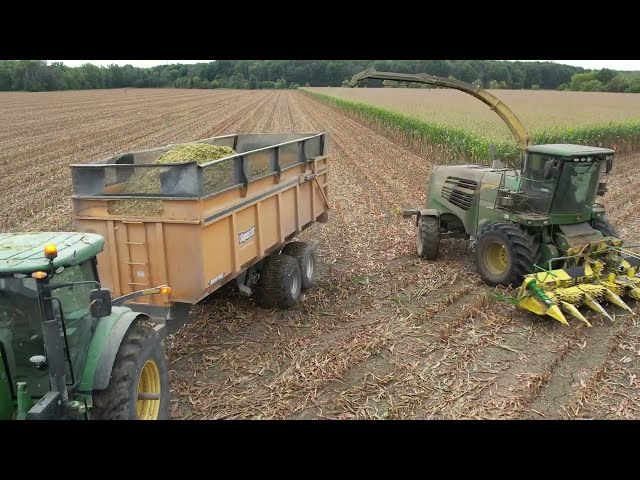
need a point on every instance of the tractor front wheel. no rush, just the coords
(504, 254)
(428, 237)
(139, 386)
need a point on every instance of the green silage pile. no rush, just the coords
(147, 180)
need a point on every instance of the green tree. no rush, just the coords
(36, 75)
(619, 83)
(634, 85)
(253, 82)
(585, 82)
(605, 75)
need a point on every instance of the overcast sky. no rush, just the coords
(595, 64)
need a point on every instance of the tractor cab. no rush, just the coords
(563, 179)
(27, 275)
(55, 323)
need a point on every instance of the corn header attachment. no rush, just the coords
(599, 271)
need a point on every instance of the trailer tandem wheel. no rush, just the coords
(305, 253)
(280, 282)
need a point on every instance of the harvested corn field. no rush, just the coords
(384, 334)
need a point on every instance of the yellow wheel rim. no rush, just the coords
(496, 258)
(148, 404)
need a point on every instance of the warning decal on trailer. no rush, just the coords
(244, 237)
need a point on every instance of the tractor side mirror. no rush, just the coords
(100, 302)
(609, 165)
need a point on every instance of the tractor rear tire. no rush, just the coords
(140, 367)
(504, 254)
(305, 253)
(604, 226)
(428, 237)
(280, 282)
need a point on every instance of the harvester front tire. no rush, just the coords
(280, 282)
(504, 254)
(305, 253)
(140, 367)
(604, 226)
(428, 237)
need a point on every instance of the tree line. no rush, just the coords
(38, 75)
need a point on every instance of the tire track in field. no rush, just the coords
(545, 346)
(63, 174)
(157, 119)
(49, 126)
(137, 112)
(335, 348)
(596, 339)
(48, 194)
(185, 132)
(382, 336)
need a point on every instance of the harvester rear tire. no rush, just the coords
(305, 253)
(517, 254)
(604, 226)
(428, 237)
(139, 358)
(280, 282)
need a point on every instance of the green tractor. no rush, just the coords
(537, 227)
(68, 350)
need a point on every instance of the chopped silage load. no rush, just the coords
(147, 180)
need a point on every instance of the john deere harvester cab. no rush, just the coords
(68, 350)
(537, 227)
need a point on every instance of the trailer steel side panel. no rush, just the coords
(197, 240)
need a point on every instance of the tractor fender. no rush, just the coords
(104, 346)
(427, 212)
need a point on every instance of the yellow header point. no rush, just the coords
(554, 312)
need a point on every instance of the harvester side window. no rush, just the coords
(540, 167)
(539, 176)
(75, 309)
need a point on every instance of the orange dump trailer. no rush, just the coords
(198, 227)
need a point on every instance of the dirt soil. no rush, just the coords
(384, 334)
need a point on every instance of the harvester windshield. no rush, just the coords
(560, 185)
(577, 186)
